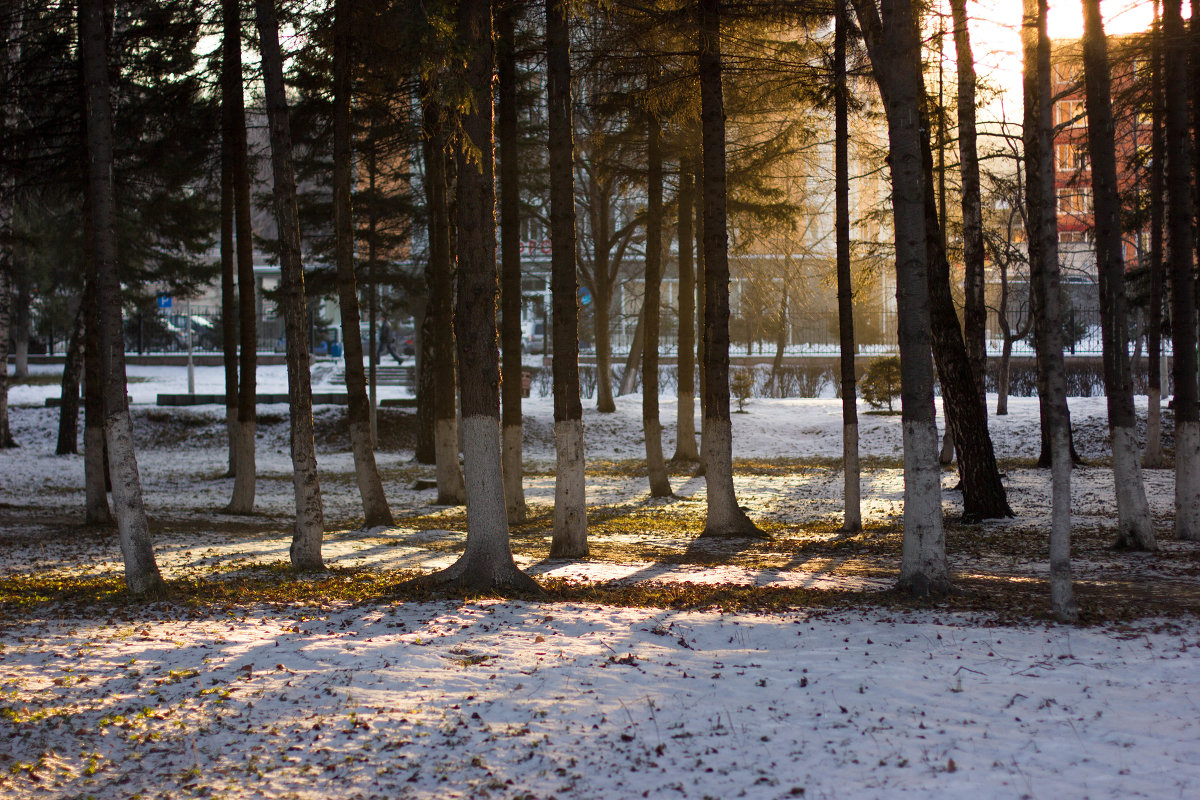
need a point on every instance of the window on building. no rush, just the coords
(1074, 200)
(1069, 113)
(1070, 157)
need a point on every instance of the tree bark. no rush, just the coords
(141, 571)
(656, 467)
(962, 398)
(487, 562)
(569, 538)
(725, 517)
(852, 519)
(244, 469)
(309, 525)
(1134, 526)
(975, 307)
(229, 313)
(685, 429)
(95, 459)
(366, 472)
(439, 276)
(1046, 295)
(633, 361)
(894, 48)
(1153, 457)
(1180, 249)
(9, 57)
(510, 269)
(602, 300)
(68, 414)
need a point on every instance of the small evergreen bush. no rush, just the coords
(880, 385)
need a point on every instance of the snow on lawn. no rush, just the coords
(511, 699)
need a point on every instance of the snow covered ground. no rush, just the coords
(504, 699)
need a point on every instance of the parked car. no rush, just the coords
(535, 340)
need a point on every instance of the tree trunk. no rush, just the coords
(229, 314)
(68, 413)
(245, 469)
(894, 49)
(1002, 372)
(701, 300)
(781, 340)
(9, 57)
(975, 307)
(439, 276)
(425, 450)
(685, 430)
(95, 459)
(1046, 296)
(852, 520)
(510, 268)
(725, 517)
(570, 506)
(1180, 248)
(486, 563)
(366, 472)
(141, 571)
(1153, 457)
(309, 526)
(962, 399)
(602, 301)
(633, 361)
(656, 467)
(1134, 526)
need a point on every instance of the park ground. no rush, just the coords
(659, 667)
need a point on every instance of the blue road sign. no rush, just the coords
(164, 300)
(585, 296)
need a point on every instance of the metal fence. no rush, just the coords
(815, 333)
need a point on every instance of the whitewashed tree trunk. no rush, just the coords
(1181, 249)
(486, 563)
(569, 537)
(725, 517)
(245, 468)
(309, 526)
(1046, 297)
(1135, 528)
(141, 571)
(570, 499)
(894, 50)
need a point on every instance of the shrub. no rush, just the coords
(881, 382)
(741, 384)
